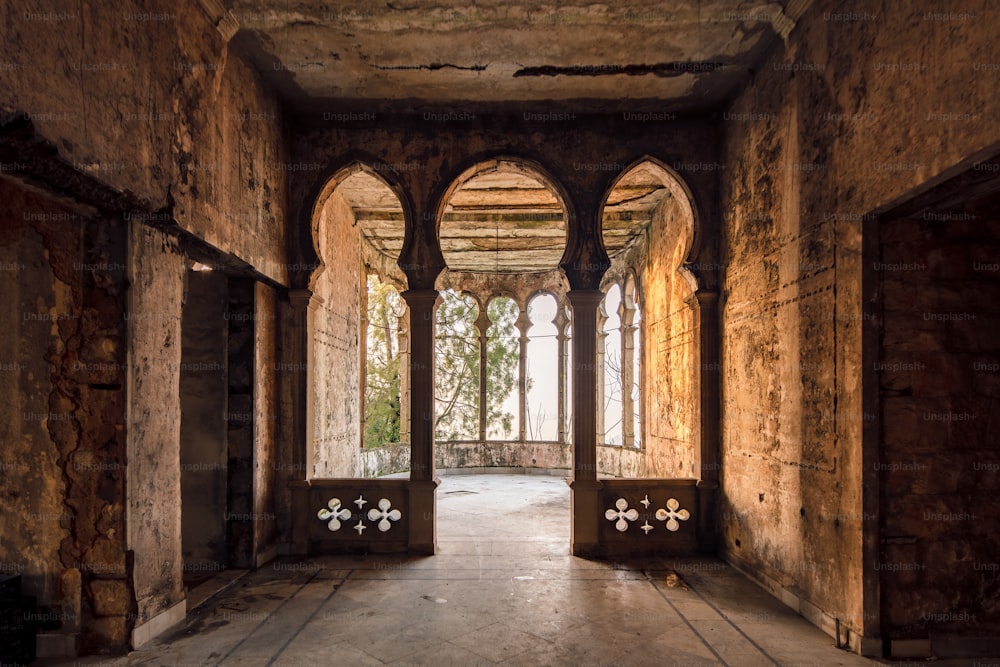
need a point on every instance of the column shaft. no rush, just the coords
(421, 304)
(585, 378)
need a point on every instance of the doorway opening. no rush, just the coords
(217, 424)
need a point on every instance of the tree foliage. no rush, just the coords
(457, 382)
(382, 364)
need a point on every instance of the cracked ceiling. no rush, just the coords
(686, 55)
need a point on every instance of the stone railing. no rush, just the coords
(554, 458)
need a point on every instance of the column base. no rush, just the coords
(585, 514)
(423, 516)
(708, 498)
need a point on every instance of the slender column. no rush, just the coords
(560, 323)
(482, 326)
(709, 380)
(298, 358)
(404, 376)
(522, 375)
(626, 315)
(363, 349)
(601, 370)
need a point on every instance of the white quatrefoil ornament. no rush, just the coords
(622, 516)
(334, 514)
(384, 515)
(672, 514)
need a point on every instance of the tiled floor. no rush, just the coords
(503, 590)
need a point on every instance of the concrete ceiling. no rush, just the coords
(503, 220)
(682, 55)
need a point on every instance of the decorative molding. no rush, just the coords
(335, 513)
(384, 515)
(622, 515)
(671, 514)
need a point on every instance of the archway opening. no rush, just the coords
(648, 334)
(357, 411)
(502, 230)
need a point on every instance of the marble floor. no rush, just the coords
(502, 590)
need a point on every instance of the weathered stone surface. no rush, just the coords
(160, 106)
(336, 365)
(156, 272)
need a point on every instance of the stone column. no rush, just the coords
(482, 326)
(625, 316)
(363, 352)
(710, 384)
(585, 494)
(522, 374)
(600, 370)
(560, 323)
(298, 359)
(423, 532)
(404, 376)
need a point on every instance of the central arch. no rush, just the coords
(503, 225)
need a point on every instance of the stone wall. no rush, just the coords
(939, 372)
(62, 366)
(335, 361)
(156, 294)
(148, 98)
(670, 352)
(844, 121)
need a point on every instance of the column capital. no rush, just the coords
(299, 298)
(415, 298)
(585, 297)
(707, 297)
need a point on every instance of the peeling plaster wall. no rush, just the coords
(156, 274)
(824, 135)
(159, 107)
(670, 353)
(335, 355)
(62, 297)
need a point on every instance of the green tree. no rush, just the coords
(382, 364)
(457, 382)
(502, 369)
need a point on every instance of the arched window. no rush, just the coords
(502, 369)
(456, 381)
(542, 413)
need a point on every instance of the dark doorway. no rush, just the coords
(216, 424)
